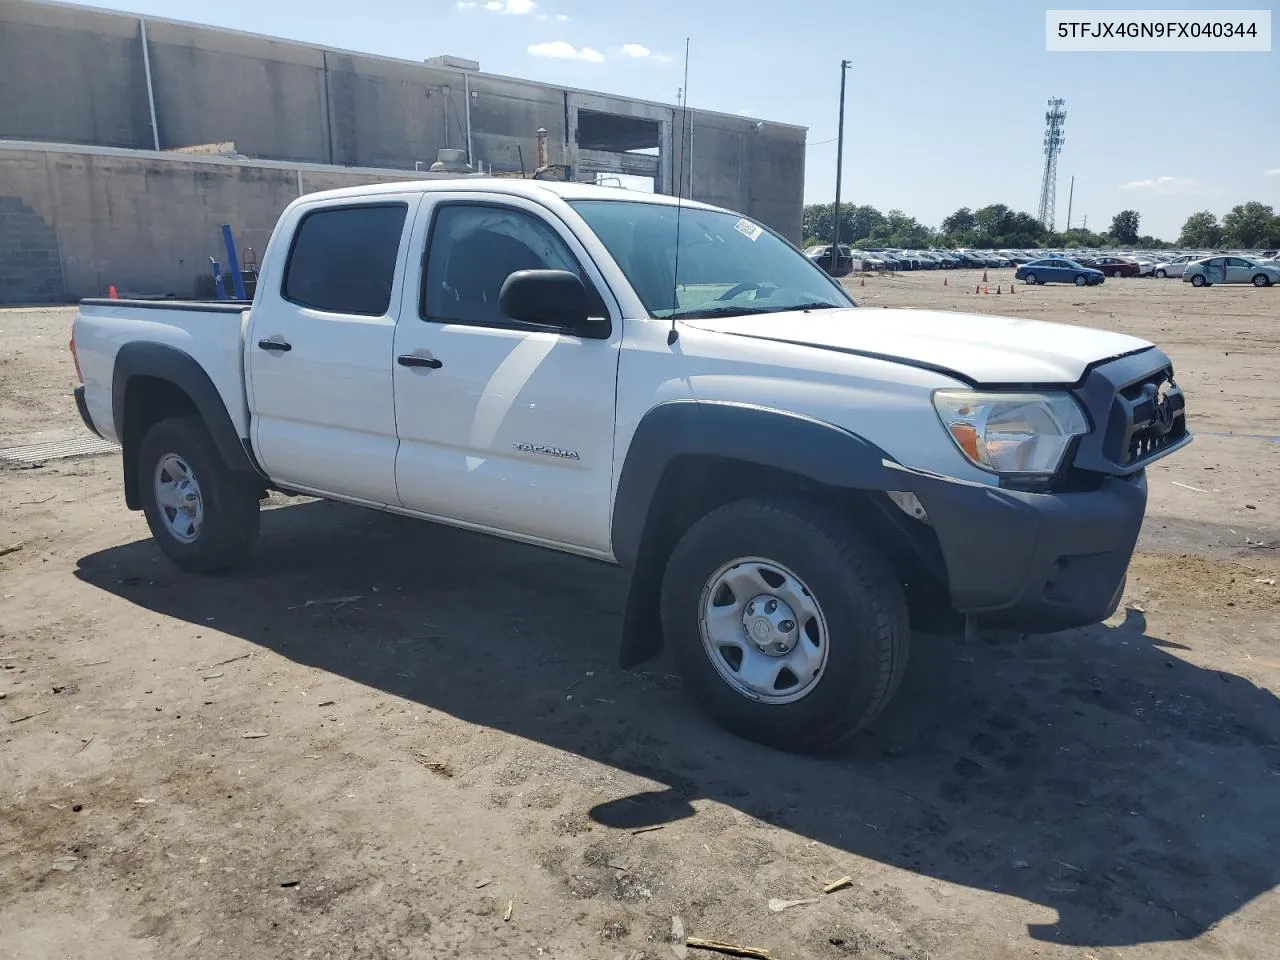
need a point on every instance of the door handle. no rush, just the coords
(412, 360)
(281, 345)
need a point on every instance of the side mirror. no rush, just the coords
(554, 298)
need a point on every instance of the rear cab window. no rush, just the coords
(343, 259)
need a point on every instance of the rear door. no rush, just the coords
(319, 349)
(504, 426)
(1215, 270)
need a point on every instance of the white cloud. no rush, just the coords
(561, 17)
(637, 51)
(516, 7)
(1273, 172)
(1165, 185)
(466, 4)
(560, 50)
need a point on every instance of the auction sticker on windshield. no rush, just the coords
(748, 229)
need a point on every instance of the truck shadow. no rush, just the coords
(1094, 772)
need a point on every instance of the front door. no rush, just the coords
(319, 349)
(1239, 270)
(503, 426)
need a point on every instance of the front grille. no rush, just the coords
(1138, 414)
(1155, 415)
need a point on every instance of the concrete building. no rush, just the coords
(127, 208)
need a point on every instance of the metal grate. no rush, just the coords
(56, 450)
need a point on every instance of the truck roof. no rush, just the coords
(509, 186)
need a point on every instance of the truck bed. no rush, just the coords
(211, 332)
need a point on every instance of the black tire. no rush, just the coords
(1199, 281)
(1031, 279)
(229, 499)
(1261, 280)
(1081, 280)
(860, 598)
(1160, 274)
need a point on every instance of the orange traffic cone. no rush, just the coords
(111, 293)
(862, 282)
(978, 288)
(944, 281)
(985, 289)
(984, 276)
(1011, 286)
(997, 289)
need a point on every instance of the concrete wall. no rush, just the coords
(76, 75)
(74, 222)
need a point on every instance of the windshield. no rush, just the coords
(728, 265)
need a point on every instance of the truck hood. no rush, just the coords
(979, 348)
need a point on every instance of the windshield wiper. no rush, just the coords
(740, 310)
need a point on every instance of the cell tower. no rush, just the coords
(1053, 140)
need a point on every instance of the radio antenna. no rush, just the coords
(685, 143)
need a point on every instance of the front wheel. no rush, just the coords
(1261, 280)
(203, 515)
(788, 627)
(1199, 281)
(1031, 279)
(1081, 280)
(1160, 274)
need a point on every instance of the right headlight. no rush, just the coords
(1011, 433)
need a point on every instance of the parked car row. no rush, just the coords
(1078, 263)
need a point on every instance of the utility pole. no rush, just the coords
(835, 230)
(1071, 195)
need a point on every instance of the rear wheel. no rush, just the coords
(1261, 280)
(789, 628)
(203, 516)
(1199, 281)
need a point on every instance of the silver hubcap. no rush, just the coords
(763, 630)
(178, 496)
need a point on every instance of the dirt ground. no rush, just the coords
(386, 739)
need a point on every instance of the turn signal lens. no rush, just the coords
(967, 438)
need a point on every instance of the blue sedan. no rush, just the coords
(1058, 270)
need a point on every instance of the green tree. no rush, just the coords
(1249, 225)
(860, 223)
(990, 221)
(960, 222)
(1200, 230)
(1124, 227)
(1077, 237)
(856, 222)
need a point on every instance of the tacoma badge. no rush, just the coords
(547, 451)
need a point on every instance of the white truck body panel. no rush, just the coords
(215, 340)
(985, 349)
(324, 412)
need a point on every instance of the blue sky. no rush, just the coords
(946, 97)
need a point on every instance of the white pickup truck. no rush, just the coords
(668, 387)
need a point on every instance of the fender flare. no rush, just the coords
(815, 449)
(163, 362)
(820, 451)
